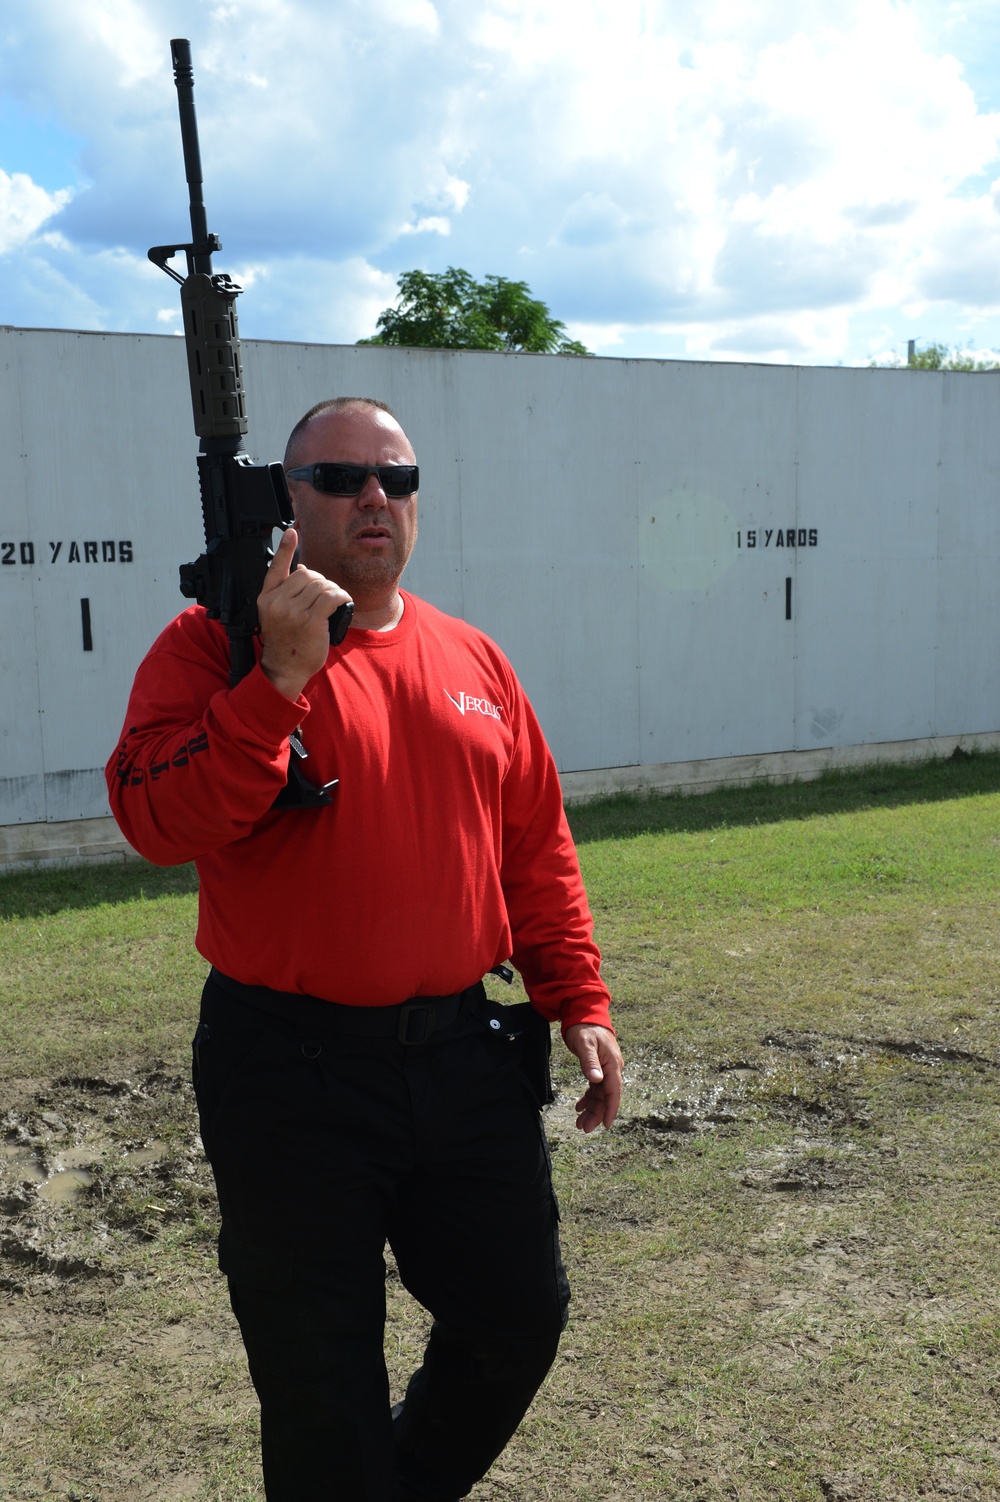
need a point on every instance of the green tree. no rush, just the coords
(940, 357)
(451, 310)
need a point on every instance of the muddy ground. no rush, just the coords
(757, 1264)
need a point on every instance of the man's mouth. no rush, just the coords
(368, 532)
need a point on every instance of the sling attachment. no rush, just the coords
(298, 791)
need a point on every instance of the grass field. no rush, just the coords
(784, 1257)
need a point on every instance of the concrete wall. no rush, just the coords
(687, 563)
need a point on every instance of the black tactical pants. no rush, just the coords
(326, 1145)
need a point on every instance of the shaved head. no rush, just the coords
(294, 446)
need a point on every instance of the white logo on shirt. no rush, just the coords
(466, 704)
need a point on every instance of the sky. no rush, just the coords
(783, 181)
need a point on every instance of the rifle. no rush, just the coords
(242, 502)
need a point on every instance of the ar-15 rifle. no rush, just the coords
(242, 502)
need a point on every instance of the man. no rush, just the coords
(354, 1084)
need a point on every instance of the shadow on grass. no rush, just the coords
(881, 786)
(41, 893)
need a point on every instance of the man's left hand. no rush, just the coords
(601, 1064)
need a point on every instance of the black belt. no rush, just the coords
(409, 1022)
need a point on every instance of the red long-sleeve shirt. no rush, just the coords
(445, 849)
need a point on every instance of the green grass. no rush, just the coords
(826, 904)
(784, 1259)
(97, 963)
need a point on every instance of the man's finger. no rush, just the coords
(590, 1112)
(281, 564)
(601, 1065)
(590, 1066)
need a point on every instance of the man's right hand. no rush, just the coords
(294, 610)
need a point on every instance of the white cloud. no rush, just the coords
(728, 166)
(419, 15)
(432, 224)
(730, 176)
(457, 191)
(313, 300)
(126, 35)
(602, 338)
(25, 207)
(593, 219)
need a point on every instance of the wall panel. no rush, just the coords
(684, 561)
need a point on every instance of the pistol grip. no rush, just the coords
(340, 620)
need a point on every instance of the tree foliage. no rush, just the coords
(451, 310)
(941, 357)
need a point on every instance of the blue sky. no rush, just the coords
(785, 181)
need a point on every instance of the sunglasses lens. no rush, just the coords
(342, 479)
(398, 479)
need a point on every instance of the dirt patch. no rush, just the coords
(114, 1316)
(733, 1241)
(807, 1167)
(823, 1045)
(90, 1166)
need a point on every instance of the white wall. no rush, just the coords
(594, 516)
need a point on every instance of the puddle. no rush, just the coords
(90, 1165)
(73, 1157)
(57, 1177)
(143, 1156)
(21, 1164)
(61, 1176)
(66, 1186)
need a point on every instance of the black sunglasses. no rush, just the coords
(351, 479)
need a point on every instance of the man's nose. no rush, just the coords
(371, 493)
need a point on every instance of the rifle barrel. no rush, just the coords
(180, 51)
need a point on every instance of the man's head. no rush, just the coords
(361, 542)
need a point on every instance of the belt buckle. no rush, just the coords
(405, 1017)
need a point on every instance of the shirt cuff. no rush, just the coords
(262, 713)
(592, 1009)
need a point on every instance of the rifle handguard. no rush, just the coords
(208, 304)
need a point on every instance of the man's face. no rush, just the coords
(361, 542)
